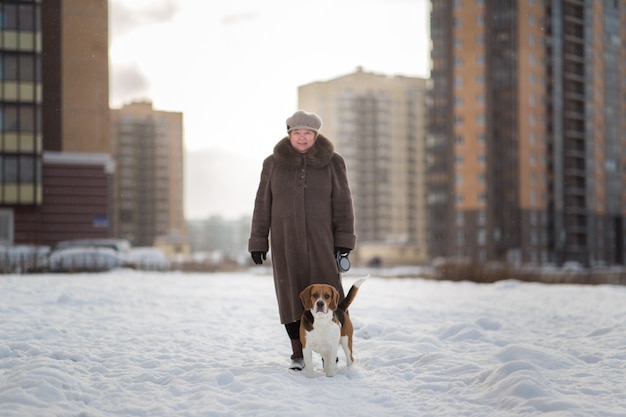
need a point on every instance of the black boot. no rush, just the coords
(297, 360)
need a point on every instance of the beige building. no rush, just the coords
(377, 124)
(148, 199)
(75, 75)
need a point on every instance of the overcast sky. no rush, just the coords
(233, 69)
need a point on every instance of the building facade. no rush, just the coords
(53, 98)
(148, 194)
(526, 146)
(377, 123)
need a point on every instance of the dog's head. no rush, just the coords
(320, 298)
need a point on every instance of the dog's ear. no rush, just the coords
(334, 303)
(305, 297)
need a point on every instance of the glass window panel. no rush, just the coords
(10, 169)
(27, 119)
(26, 17)
(27, 68)
(27, 169)
(8, 17)
(10, 119)
(9, 67)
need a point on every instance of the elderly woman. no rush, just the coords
(304, 205)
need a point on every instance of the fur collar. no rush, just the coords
(317, 157)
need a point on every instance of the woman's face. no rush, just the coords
(302, 139)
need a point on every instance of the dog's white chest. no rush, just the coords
(324, 337)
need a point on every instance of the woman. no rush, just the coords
(304, 202)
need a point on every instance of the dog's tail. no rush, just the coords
(345, 303)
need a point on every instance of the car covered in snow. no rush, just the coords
(148, 259)
(85, 259)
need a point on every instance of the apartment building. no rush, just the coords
(148, 193)
(54, 164)
(526, 145)
(377, 123)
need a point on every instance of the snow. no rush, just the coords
(131, 343)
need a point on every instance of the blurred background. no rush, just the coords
(479, 131)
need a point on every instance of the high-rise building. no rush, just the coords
(377, 124)
(148, 193)
(75, 75)
(526, 143)
(54, 164)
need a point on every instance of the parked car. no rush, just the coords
(119, 245)
(22, 258)
(148, 259)
(85, 259)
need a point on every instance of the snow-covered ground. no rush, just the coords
(128, 343)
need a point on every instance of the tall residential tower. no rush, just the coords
(55, 168)
(148, 192)
(526, 144)
(377, 124)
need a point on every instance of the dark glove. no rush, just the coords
(343, 251)
(257, 256)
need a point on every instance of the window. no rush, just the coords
(482, 237)
(27, 68)
(8, 17)
(27, 168)
(6, 227)
(460, 238)
(18, 118)
(26, 17)
(9, 172)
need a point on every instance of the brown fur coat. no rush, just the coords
(304, 207)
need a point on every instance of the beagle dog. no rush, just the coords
(325, 324)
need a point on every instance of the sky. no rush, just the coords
(132, 343)
(233, 69)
